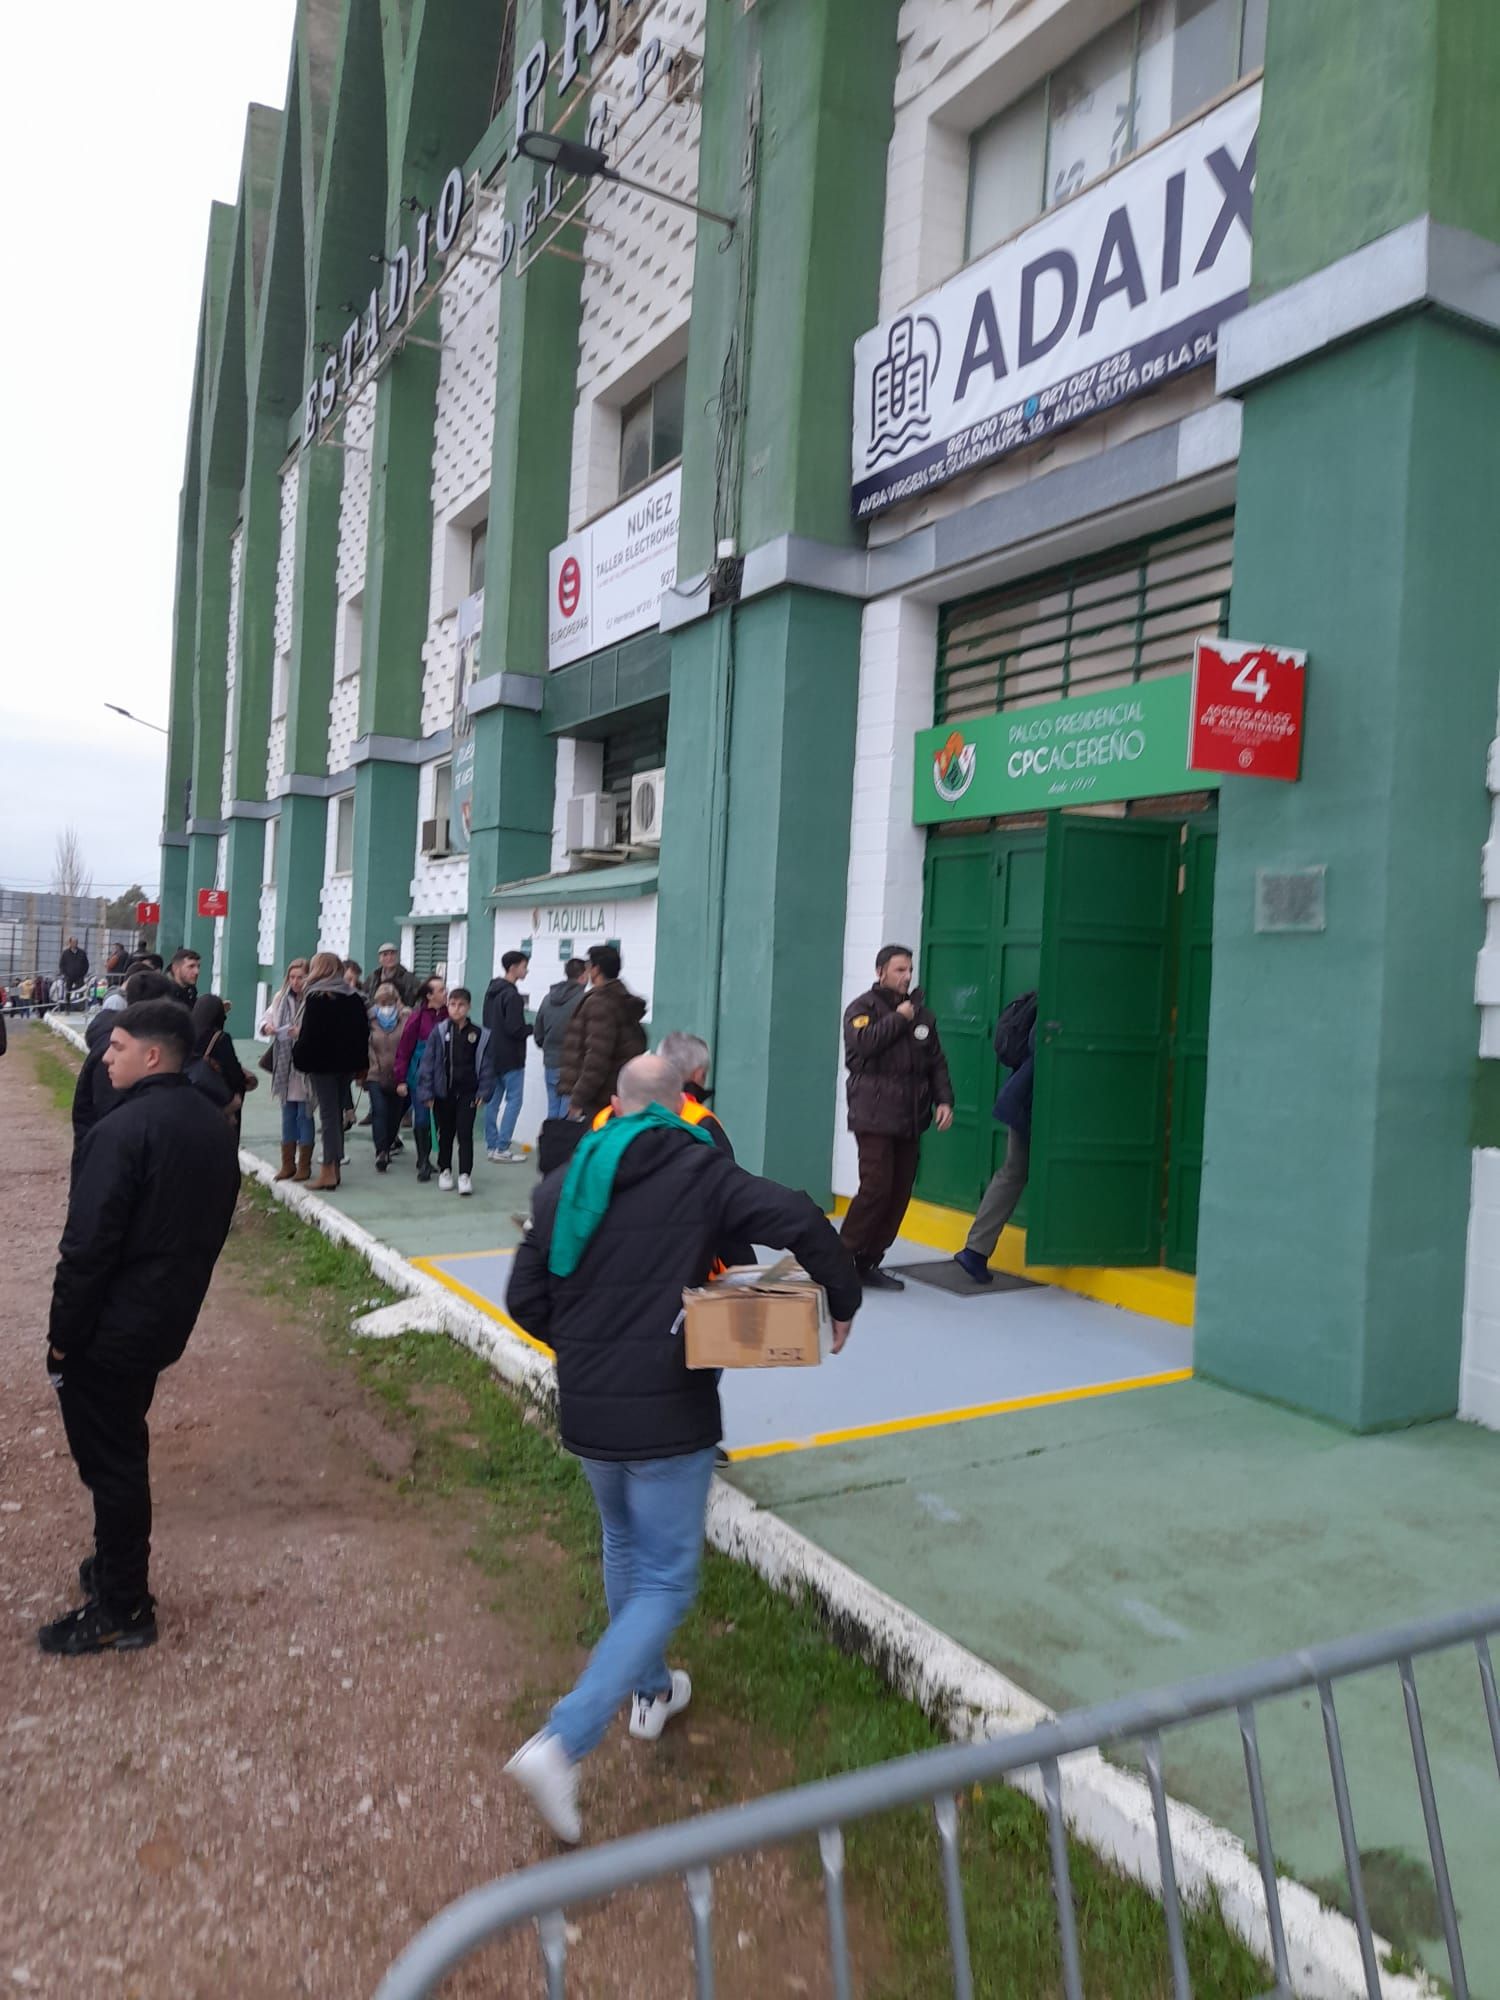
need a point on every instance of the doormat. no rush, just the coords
(946, 1276)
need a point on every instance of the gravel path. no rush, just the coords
(306, 1767)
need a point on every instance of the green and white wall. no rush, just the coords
(317, 586)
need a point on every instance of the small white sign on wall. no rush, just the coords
(606, 583)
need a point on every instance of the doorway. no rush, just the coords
(1110, 920)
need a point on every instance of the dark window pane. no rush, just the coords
(635, 443)
(666, 417)
(477, 542)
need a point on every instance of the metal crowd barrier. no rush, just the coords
(543, 1894)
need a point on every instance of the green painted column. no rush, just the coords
(385, 806)
(173, 894)
(250, 705)
(1335, 1194)
(760, 749)
(302, 842)
(220, 512)
(531, 463)
(174, 868)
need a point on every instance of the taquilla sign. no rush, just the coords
(1109, 296)
(1126, 743)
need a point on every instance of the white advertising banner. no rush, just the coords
(1107, 297)
(607, 582)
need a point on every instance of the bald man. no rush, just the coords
(641, 1213)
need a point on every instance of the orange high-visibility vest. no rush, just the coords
(691, 1113)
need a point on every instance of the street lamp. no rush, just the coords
(548, 149)
(116, 709)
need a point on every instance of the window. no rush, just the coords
(353, 638)
(637, 745)
(478, 538)
(281, 685)
(429, 950)
(442, 791)
(651, 429)
(343, 835)
(1138, 79)
(268, 870)
(1128, 615)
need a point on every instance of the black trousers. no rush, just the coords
(104, 1417)
(887, 1174)
(454, 1116)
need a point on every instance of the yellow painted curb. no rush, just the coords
(487, 1306)
(932, 1419)
(1158, 1293)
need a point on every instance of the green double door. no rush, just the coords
(1111, 922)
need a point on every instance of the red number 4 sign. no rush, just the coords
(1247, 710)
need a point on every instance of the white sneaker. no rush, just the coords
(445, 1180)
(465, 1185)
(543, 1771)
(513, 1156)
(494, 1154)
(649, 1715)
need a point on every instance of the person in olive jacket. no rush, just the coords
(149, 1210)
(332, 1045)
(898, 1085)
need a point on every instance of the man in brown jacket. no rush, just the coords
(604, 1034)
(898, 1085)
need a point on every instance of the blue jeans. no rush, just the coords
(557, 1104)
(501, 1110)
(296, 1124)
(652, 1511)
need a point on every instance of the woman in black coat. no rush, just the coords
(215, 1068)
(332, 1045)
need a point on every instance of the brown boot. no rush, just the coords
(304, 1164)
(288, 1160)
(327, 1180)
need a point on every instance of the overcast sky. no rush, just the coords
(118, 126)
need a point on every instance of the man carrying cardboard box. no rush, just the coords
(640, 1215)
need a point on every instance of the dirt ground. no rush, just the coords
(307, 1766)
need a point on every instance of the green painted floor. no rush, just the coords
(1096, 1548)
(1099, 1548)
(417, 1220)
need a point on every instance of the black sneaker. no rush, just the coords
(382, 1161)
(88, 1579)
(424, 1170)
(875, 1280)
(94, 1629)
(397, 1145)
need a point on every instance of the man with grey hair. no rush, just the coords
(640, 1214)
(689, 1056)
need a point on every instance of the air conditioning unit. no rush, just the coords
(648, 791)
(590, 823)
(435, 838)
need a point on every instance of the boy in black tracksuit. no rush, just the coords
(457, 1076)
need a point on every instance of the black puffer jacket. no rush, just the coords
(504, 1014)
(624, 1390)
(604, 1034)
(334, 1038)
(897, 1069)
(151, 1205)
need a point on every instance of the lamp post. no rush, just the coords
(548, 149)
(115, 709)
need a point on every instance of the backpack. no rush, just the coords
(1013, 1030)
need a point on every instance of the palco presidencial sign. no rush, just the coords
(1111, 295)
(1124, 743)
(606, 583)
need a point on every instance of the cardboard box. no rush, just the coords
(758, 1316)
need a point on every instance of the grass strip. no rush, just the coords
(765, 1660)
